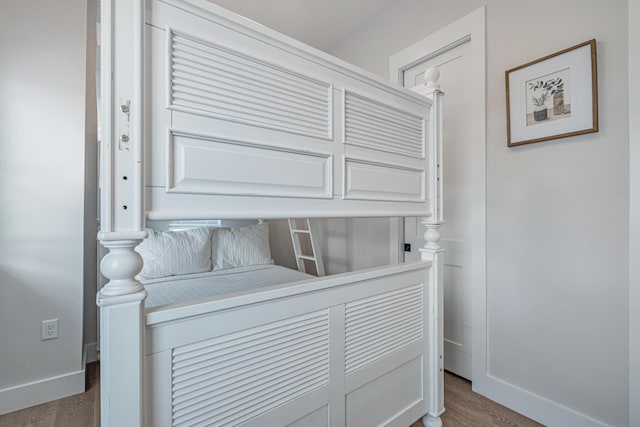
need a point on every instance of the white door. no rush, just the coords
(456, 58)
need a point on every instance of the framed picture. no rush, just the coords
(553, 97)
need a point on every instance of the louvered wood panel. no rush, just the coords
(209, 79)
(234, 378)
(379, 325)
(377, 126)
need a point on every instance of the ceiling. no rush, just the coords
(319, 23)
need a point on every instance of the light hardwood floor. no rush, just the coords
(464, 408)
(80, 410)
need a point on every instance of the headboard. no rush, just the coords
(244, 122)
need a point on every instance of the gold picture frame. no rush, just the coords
(553, 97)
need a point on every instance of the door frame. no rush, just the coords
(470, 28)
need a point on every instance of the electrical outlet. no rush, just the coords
(49, 329)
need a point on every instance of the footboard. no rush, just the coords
(352, 350)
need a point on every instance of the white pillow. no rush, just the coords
(242, 246)
(171, 253)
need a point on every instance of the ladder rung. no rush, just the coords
(295, 232)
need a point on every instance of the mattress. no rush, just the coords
(191, 287)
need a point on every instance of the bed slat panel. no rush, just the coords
(237, 377)
(372, 124)
(380, 325)
(205, 78)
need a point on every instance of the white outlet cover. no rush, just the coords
(49, 329)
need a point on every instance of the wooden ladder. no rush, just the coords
(301, 257)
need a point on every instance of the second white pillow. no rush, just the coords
(240, 247)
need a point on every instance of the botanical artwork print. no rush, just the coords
(548, 97)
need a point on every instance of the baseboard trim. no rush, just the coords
(532, 405)
(37, 392)
(90, 353)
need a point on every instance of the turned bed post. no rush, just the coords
(121, 300)
(432, 250)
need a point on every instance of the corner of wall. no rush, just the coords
(41, 236)
(634, 212)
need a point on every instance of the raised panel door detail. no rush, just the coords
(378, 181)
(207, 165)
(372, 402)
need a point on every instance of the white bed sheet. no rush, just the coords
(192, 287)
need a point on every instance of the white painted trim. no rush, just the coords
(41, 391)
(105, 120)
(90, 354)
(168, 313)
(634, 213)
(469, 28)
(137, 114)
(532, 405)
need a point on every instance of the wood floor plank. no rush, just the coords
(464, 408)
(96, 403)
(80, 406)
(73, 411)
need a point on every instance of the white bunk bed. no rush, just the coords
(208, 115)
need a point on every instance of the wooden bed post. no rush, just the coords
(432, 250)
(121, 300)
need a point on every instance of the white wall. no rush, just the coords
(42, 137)
(346, 244)
(557, 211)
(280, 243)
(91, 184)
(634, 255)
(349, 244)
